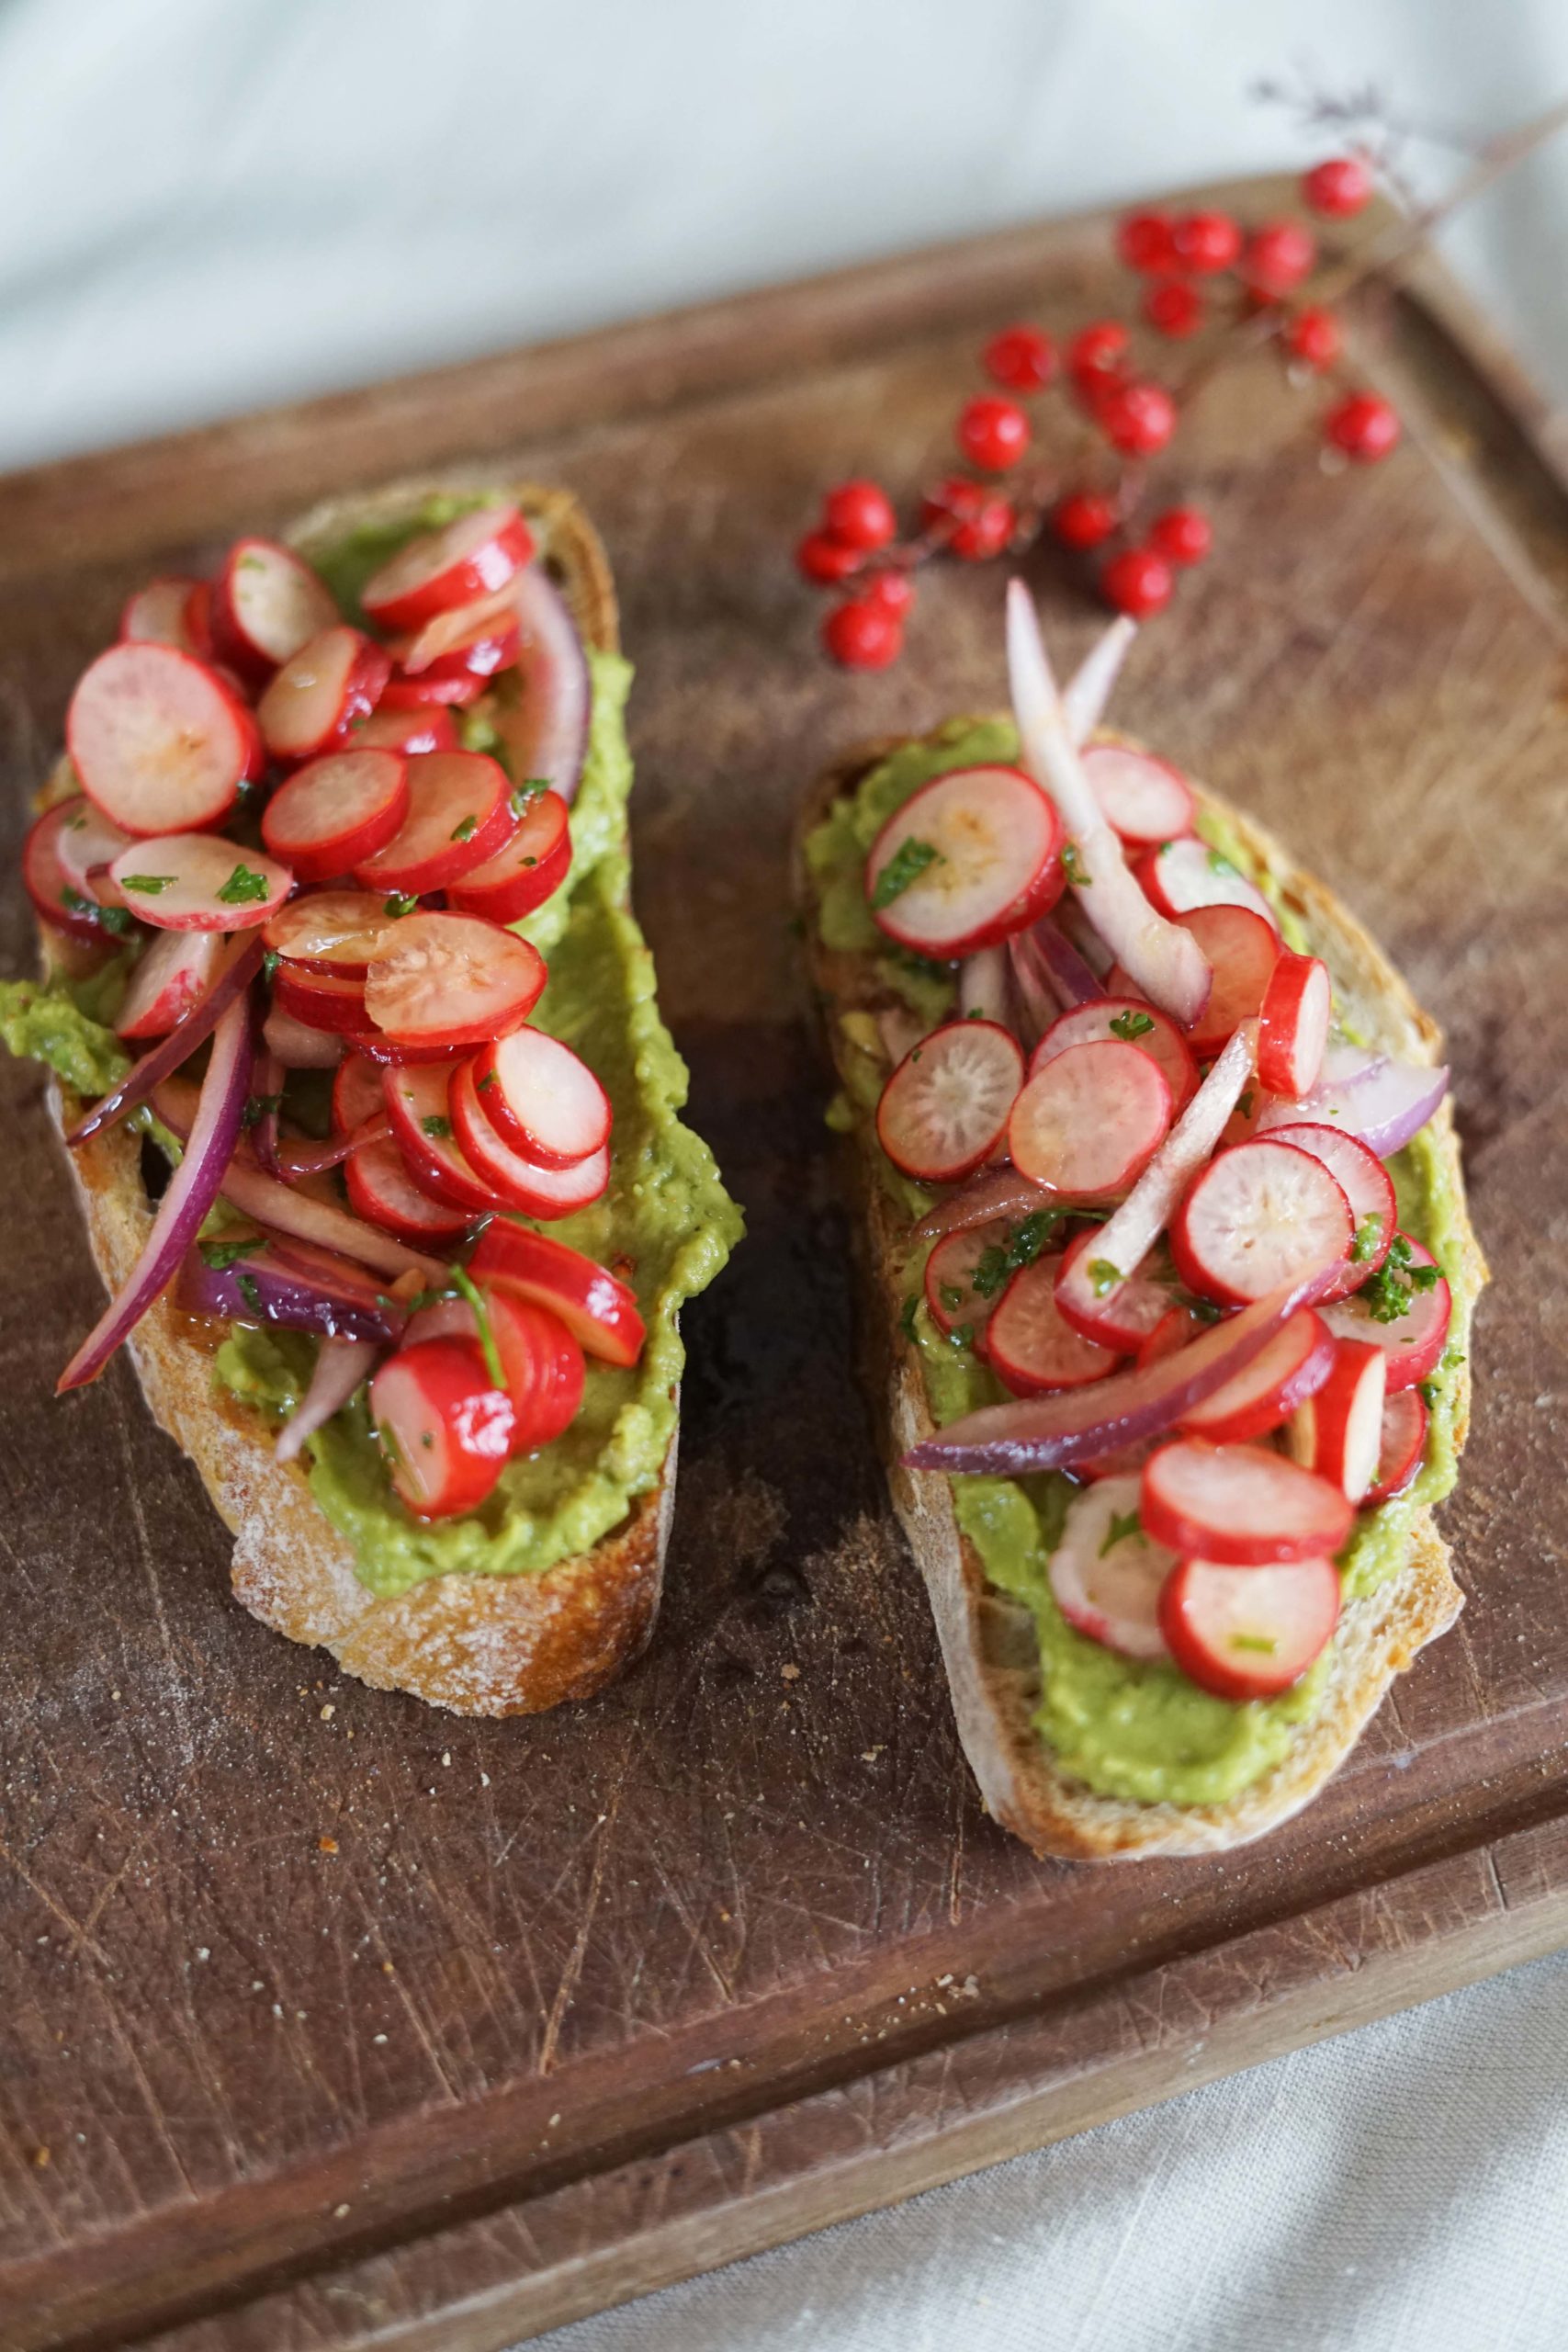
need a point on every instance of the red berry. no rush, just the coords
(1083, 519)
(986, 533)
(1174, 306)
(1205, 241)
(1021, 358)
(1137, 418)
(1096, 350)
(1182, 534)
(1365, 427)
(955, 499)
(1279, 256)
(825, 559)
(860, 514)
(1338, 187)
(1137, 582)
(993, 432)
(1143, 241)
(1312, 337)
(893, 591)
(863, 635)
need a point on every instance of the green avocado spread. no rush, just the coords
(1127, 1727)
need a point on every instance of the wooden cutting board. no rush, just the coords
(329, 2021)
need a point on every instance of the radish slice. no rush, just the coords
(382, 1192)
(1124, 1020)
(1407, 1312)
(544, 723)
(540, 1359)
(1337, 1430)
(1401, 1446)
(160, 744)
(1074, 980)
(1168, 966)
(459, 814)
(421, 1128)
(1180, 876)
(1383, 1108)
(1248, 1633)
(1259, 1214)
(337, 811)
(423, 729)
(983, 985)
(529, 869)
(1088, 691)
(995, 1191)
(1292, 1025)
(357, 1094)
(335, 931)
(239, 968)
(341, 1366)
(431, 692)
(445, 1428)
(945, 1107)
(445, 981)
(520, 1183)
(462, 562)
(299, 1046)
(390, 1053)
(321, 1001)
(156, 616)
(541, 1099)
(266, 605)
(295, 1160)
(473, 643)
(77, 908)
(1134, 1307)
(198, 624)
(1240, 1505)
(199, 882)
(1366, 1184)
(1242, 950)
(600, 1310)
(1030, 1346)
(951, 1296)
(1144, 798)
(87, 843)
(1294, 1366)
(1177, 1327)
(1088, 1120)
(335, 679)
(970, 858)
(1106, 1575)
(173, 977)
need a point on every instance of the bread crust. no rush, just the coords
(988, 1640)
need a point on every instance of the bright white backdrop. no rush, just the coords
(210, 204)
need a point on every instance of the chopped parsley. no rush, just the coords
(1263, 1642)
(1389, 1289)
(270, 961)
(487, 1080)
(1220, 864)
(952, 1296)
(1244, 1100)
(217, 1253)
(961, 1336)
(259, 1107)
(530, 790)
(111, 918)
(1428, 1392)
(1122, 1524)
(905, 865)
(465, 1285)
(1129, 1026)
(1021, 1245)
(250, 1291)
(436, 1125)
(1369, 1233)
(244, 889)
(465, 829)
(147, 884)
(402, 902)
(1073, 869)
(1103, 1277)
(906, 1318)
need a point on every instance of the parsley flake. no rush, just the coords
(1129, 1026)
(1220, 864)
(402, 902)
(250, 1291)
(1103, 1277)
(436, 1125)
(521, 794)
(1122, 1524)
(270, 961)
(259, 1107)
(116, 919)
(465, 829)
(1073, 868)
(906, 1318)
(147, 884)
(1369, 1233)
(1262, 1643)
(244, 889)
(1020, 1246)
(217, 1253)
(905, 865)
(467, 1288)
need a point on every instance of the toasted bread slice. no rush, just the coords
(987, 1639)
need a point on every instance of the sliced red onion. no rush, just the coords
(177, 1047)
(192, 1189)
(546, 731)
(1037, 999)
(1088, 691)
(1079, 931)
(983, 985)
(1071, 976)
(1382, 1107)
(341, 1366)
(993, 1191)
(295, 1158)
(267, 1088)
(315, 1291)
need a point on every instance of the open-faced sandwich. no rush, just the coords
(1163, 1211)
(364, 1084)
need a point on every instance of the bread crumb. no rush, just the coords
(326, 1845)
(338, 2211)
(869, 1755)
(386, 1969)
(40, 2159)
(790, 1673)
(554, 2121)
(328, 1712)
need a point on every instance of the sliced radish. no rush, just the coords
(951, 1296)
(175, 973)
(297, 1045)
(1240, 1505)
(539, 1357)
(945, 1107)
(266, 605)
(462, 562)
(529, 869)
(1242, 950)
(160, 743)
(459, 814)
(335, 932)
(983, 985)
(390, 1053)
(335, 812)
(1337, 1430)
(1134, 1308)
(970, 858)
(1248, 1633)
(1259, 1215)
(432, 691)
(86, 844)
(1407, 1312)
(1366, 1184)
(421, 1129)
(381, 1190)
(1176, 1326)
(1128, 1021)
(357, 1094)
(1123, 1461)
(445, 1430)
(75, 908)
(1295, 1365)
(1401, 1446)
(441, 979)
(156, 616)
(198, 624)
(592, 1303)
(541, 1099)
(544, 714)
(1030, 1346)
(1088, 1120)
(429, 727)
(1144, 798)
(199, 882)
(475, 641)
(1179, 877)
(522, 1184)
(1105, 1573)
(1292, 1024)
(335, 679)
(320, 999)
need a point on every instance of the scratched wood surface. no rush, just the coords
(326, 2020)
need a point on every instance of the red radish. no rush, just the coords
(600, 1309)
(1409, 1317)
(86, 845)
(1146, 799)
(522, 1184)
(296, 1044)
(1088, 1120)
(529, 869)
(1028, 1344)
(983, 985)
(1106, 1575)
(75, 908)
(1240, 1505)
(995, 1191)
(320, 999)
(1366, 1184)
(381, 1190)
(541, 1098)
(156, 616)
(1176, 1328)
(335, 932)
(442, 979)
(444, 1429)
(427, 728)
(1338, 1429)
(1130, 1022)
(1179, 877)
(432, 691)
(199, 882)
(175, 973)
(1401, 1446)
(1292, 1024)
(421, 1128)
(459, 814)
(950, 1288)
(1242, 950)
(335, 812)
(357, 1094)
(1297, 1362)
(1259, 1215)
(392, 1054)
(473, 643)
(462, 562)
(945, 1107)
(1135, 1307)
(159, 743)
(266, 605)
(541, 1360)
(1248, 1633)
(198, 624)
(971, 857)
(335, 679)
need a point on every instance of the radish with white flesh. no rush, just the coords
(421, 1129)
(457, 564)
(1124, 1019)
(335, 931)
(1337, 1430)
(519, 1182)
(528, 869)
(1180, 876)
(1088, 691)
(382, 1192)
(174, 974)
(335, 812)
(1169, 967)
(1366, 1184)
(441, 979)
(1399, 1447)
(945, 1107)
(983, 985)
(419, 730)
(75, 908)
(541, 1360)
(1240, 1505)
(544, 707)
(1406, 1311)
(1291, 1369)
(993, 1193)
(950, 1295)
(970, 858)
(320, 1000)
(159, 743)
(542, 1097)
(1382, 1107)
(1248, 1633)
(199, 882)
(1176, 1329)
(1088, 1120)
(1144, 798)
(1292, 1024)
(446, 1428)
(87, 843)
(1106, 1575)
(459, 813)
(241, 963)
(474, 643)
(297, 1046)
(593, 1304)
(1259, 1215)
(335, 679)
(395, 1054)
(1242, 950)
(1029, 1344)
(357, 1094)
(1132, 1308)
(266, 605)
(432, 691)
(156, 616)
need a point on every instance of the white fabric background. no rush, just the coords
(210, 204)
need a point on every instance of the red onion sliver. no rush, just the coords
(269, 1287)
(1073, 980)
(1382, 1107)
(341, 1366)
(170, 1052)
(991, 1191)
(547, 732)
(983, 985)
(1037, 999)
(295, 1158)
(266, 1086)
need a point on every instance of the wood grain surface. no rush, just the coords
(327, 2021)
